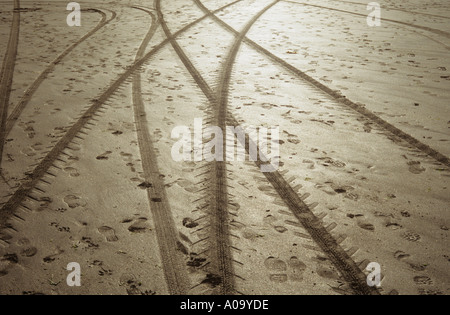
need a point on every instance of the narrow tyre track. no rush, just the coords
(441, 158)
(425, 28)
(7, 73)
(42, 168)
(172, 260)
(44, 74)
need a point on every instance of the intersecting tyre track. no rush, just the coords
(348, 268)
(15, 200)
(174, 269)
(441, 158)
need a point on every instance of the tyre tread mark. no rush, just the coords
(42, 168)
(172, 261)
(339, 257)
(221, 260)
(220, 207)
(441, 158)
(6, 76)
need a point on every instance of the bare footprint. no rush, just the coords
(108, 233)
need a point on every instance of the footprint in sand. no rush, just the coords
(282, 272)
(74, 202)
(189, 223)
(44, 203)
(327, 161)
(280, 229)
(133, 285)
(73, 172)
(402, 256)
(327, 273)
(51, 258)
(423, 291)
(417, 266)
(363, 224)
(188, 167)
(140, 225)
(187, 185)
(399, 255)
(109, 233)
(29, 129)
(250, 234)
(411, 236)
(27, 251)
(279, 269)
(104, 156)
(415, 167)
(29, 151)
(270, 219)
(6, 262)
(298, 268)
(423, 280)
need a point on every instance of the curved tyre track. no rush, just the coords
(221, 262)
(348, 268)
(7, 73)
(220, 215)
(172, 261)
(337, 96)
(35, 85)
(15, 200)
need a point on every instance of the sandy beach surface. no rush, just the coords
(88, 173)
